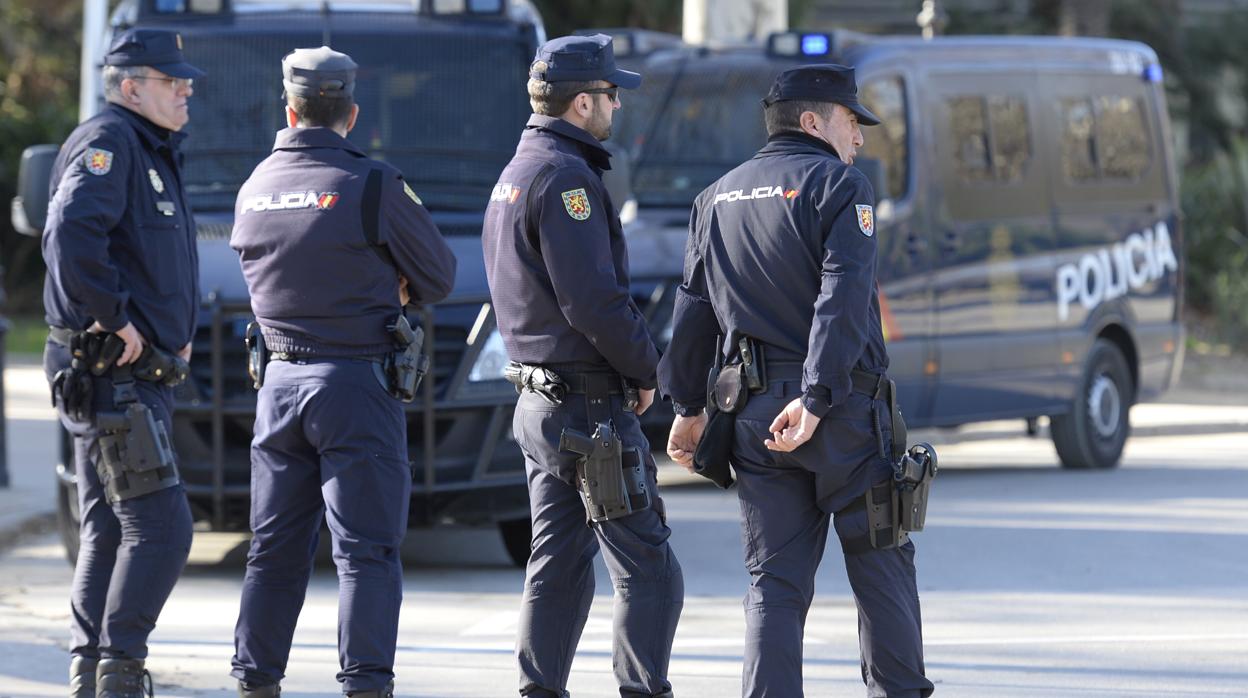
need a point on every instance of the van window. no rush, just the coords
(1104, 138)
(889, 142)
(991, 137)
(1121, 137)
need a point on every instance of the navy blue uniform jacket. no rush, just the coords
(556, 259)
(120, 240)
(318, 286)
(781, 249)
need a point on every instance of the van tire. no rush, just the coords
(1092, 435)
(68, 518)
(518, 540)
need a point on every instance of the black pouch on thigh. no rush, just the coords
(136, 455)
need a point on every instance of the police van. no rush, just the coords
(1027, 209)
(442, 97)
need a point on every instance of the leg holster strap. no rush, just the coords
(136, 454)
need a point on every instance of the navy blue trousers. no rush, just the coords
(559, 581)
(131, 552)
(787, 501)
(330, 444)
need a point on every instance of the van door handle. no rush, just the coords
(949, 242)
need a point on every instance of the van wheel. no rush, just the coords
(68, 518)
(517, 539)
(1093, 433)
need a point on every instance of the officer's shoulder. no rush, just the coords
(570, 172)
(105, 127)
(846, 179)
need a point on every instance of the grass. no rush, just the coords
(26, 335)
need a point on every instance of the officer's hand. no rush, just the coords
(185, 353)
(645, 398)
(133, 340)
(684, 437)
(404, 296)
(791, 428)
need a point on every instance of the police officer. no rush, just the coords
(558, 273)
(331, 245)
(781, 261)
(121, 297)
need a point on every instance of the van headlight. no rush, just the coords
(492, 360)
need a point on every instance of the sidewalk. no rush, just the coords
(1206, 403)
(29, 503)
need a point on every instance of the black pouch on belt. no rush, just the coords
(257, 354)
(728, 395)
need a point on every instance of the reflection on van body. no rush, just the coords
(1030, 249)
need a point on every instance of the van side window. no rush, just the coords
(889, 142)
(1121, 137)
(1104, 138)
(991, 137)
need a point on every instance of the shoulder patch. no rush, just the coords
(411, 194)
(576, 202)
(866, 219)
(98, 161)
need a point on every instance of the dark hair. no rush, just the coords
(321, 111)
(554, 98)
(786, 116)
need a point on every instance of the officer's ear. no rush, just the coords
(355, 113)
(809, 123)
(292, 119)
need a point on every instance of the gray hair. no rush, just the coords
(115, 74)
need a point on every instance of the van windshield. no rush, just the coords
(687, 128)
(444, 106)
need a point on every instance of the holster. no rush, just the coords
(536, 379)
(136, 455)
(611, 479)
(407, 365)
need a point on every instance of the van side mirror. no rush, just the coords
(30, 207)
(619, 182)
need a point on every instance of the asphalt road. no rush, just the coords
(1035, 581)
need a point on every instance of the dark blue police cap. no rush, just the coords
(157, 48)
(580, 59)
(820, 83)
(318, 72)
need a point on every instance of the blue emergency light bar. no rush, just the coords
(801, 45)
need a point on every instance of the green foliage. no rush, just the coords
(39, 48)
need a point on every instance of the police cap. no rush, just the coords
(157, 48)
(580, 59)
(318, 72)
(820, 83)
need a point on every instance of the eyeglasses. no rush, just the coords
(178, 83)
(612, 93)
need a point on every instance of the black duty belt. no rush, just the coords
(60, 335)
(294, 358)
(874, 385)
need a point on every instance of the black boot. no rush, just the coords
(387, 692)
(82, 677)
(122, 678)
(247, 691)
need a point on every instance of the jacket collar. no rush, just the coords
(313, 137)
(796, 142)
(155, 136)
(590, 148)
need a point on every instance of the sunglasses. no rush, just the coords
(612, 93)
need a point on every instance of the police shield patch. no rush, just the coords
(98, 161)
(866, 219)
(577, 204)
